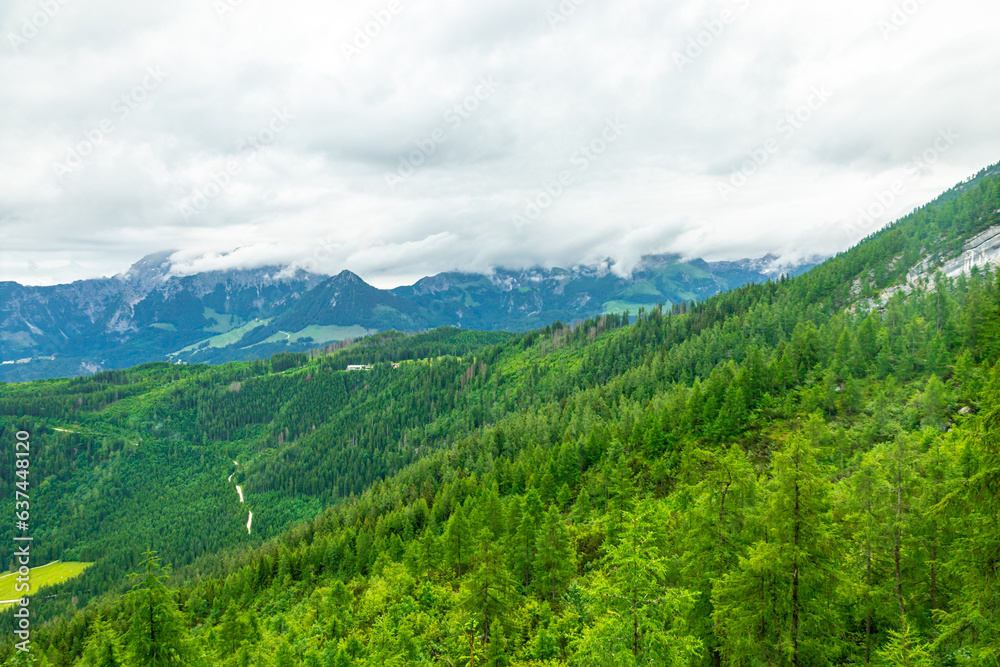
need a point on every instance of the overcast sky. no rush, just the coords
(408, 137)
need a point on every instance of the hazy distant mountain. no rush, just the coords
(518, 300)
(149, 314)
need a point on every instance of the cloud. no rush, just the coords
(394, 161)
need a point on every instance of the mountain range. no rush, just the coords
(803, 471)
(150, 314)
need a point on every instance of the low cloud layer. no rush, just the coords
(398, 138)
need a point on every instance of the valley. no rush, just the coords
(675, 487)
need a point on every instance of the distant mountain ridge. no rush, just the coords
(150, 314)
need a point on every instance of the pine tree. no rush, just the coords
(492, 510)
(569, 463)
(932, 527)
(623, 495)
(283, 656)
(734, 416)
(900, 462)
(428, 554)
(867, 341)
(844, 359)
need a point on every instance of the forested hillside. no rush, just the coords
(804, 472)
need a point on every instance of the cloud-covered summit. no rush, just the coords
(400, 139)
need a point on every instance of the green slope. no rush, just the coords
(776, 476)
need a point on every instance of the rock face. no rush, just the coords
(979, 251)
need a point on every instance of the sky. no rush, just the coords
(403, 138)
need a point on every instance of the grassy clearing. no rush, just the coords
(224, 323)
(322, 334)
(41, 577)
(225, 339)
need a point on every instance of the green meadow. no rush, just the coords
(41, 577)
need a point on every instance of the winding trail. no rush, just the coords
(239, 490)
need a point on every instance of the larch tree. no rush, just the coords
(553, 563)
(489, 588)
(782, 605)
(157, 636)
(522, 553)
(457, 539)
(640, 618)
(103, 647)
(867, 513)
(974, 619)
(716, 531)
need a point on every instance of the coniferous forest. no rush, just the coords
(803, 472)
